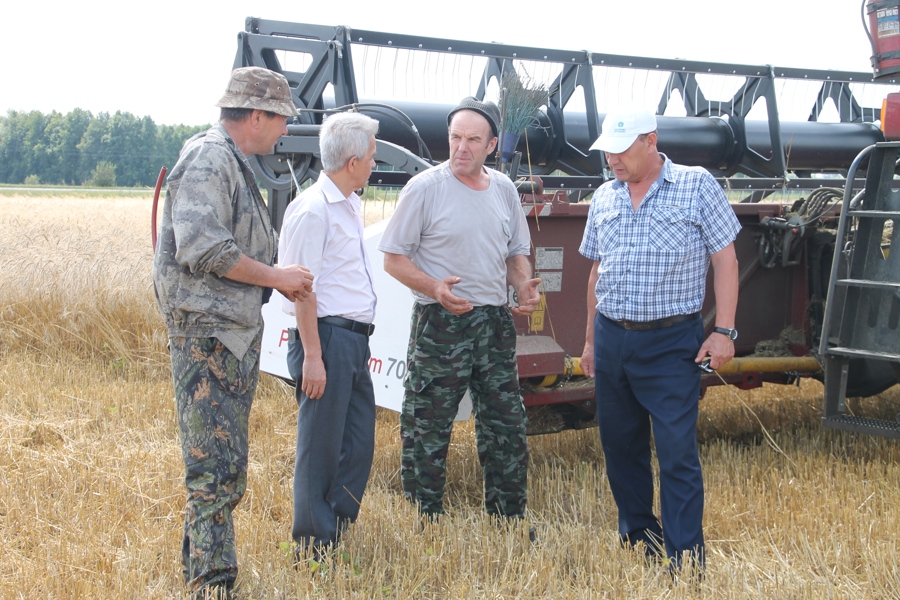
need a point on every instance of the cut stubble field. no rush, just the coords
(91, 479)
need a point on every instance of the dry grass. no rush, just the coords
(378, 204)
(91, 475)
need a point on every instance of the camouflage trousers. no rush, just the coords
(213, 394)
(447, 355)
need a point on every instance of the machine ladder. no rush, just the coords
(863, 309)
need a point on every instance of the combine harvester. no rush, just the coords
(800, 152)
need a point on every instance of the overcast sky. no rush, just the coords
(170, 60)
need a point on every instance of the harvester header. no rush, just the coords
(790, 146)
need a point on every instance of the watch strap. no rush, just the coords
(731, 334)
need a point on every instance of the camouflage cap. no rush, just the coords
(260, 89)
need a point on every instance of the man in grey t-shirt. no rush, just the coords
(457, 238)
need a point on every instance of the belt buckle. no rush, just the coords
(367, 329)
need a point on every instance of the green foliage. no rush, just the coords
(288, 549)
(32, 180)
(69, 148)
(103, 175)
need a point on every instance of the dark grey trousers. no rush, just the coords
(335, 438)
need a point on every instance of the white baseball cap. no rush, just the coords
(622, 127)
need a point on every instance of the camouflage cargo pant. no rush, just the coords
(447, 354)
(213, 394)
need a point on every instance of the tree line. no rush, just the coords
(80, 148)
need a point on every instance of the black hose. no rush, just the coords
(862, 14)
(386, 110)
(817, 204)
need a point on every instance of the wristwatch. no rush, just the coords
(731, 334)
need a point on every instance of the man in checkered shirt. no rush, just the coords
(652, 234)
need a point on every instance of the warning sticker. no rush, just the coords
(536, 319)
(551, 281)
(548, 258)
(888, 21)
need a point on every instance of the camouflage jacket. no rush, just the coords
(213, 213)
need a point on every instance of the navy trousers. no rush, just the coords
(644, 378)
(335, 438)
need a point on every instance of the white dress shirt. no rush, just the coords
(322, 231)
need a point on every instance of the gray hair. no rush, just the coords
(343, 136)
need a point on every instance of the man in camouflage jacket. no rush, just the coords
(212, 268)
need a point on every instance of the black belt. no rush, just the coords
(366, 329)
(657, 324)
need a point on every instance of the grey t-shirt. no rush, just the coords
(448, 229)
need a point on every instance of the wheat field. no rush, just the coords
(91, 489)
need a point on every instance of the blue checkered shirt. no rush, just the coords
(653, 261)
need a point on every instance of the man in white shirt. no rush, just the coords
(328, 355)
